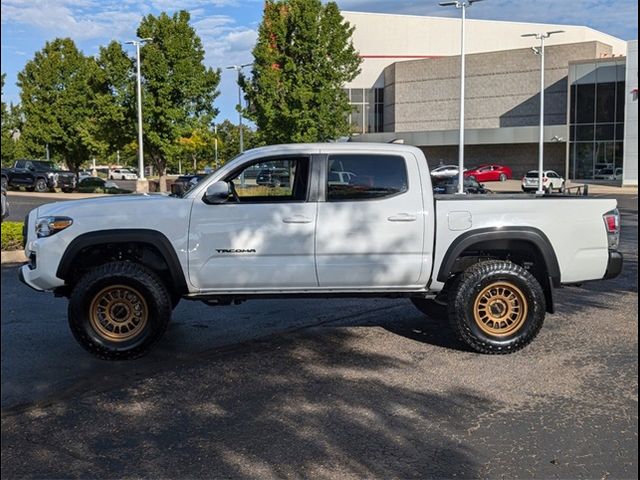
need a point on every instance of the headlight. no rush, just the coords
(47, 226)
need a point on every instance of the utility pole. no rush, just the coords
(141, 185)
(462, 5)
(540, 51)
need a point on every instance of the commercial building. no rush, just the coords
(410, 80)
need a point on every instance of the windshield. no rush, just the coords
(532, 174)
(43, 165)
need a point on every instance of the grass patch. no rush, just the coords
(12, 235)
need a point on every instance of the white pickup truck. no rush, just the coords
(346, 220)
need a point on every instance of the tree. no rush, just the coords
(302, 59)
(115, 99)
(229, 137)
(58, 93)
(178, 89)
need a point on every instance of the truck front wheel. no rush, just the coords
(496, 307)
(119, 310)
(40, 185)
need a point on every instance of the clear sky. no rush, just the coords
(228, 27)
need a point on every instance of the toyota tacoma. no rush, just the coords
(488, 264)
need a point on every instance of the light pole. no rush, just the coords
(238, 69)
(215, 145)
(540, 51)
(462, 5)
(141, 184)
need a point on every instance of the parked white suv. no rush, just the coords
(490, 261)
(550, 181)
(122, 174)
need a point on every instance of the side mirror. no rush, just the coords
(217, 192)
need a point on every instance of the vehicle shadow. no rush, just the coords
(311, 404)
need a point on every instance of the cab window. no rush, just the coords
(274, 180)
(365, 177)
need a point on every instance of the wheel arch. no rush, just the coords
(155, 245)
(520, 244)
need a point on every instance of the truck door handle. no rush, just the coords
(402, 217)
(296, 219)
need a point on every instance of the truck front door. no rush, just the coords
(371, 225)
(261, 239)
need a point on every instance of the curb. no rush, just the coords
(13, 256)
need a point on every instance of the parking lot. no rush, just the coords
(327, 388)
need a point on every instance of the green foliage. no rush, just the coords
(58, 93)
(12, 147)
(302, 59)
(12, 235)
(178, 91)
(114, 104)
(229, 140)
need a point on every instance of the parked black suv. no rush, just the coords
(450, 185)
(277, 177)
(39, 176)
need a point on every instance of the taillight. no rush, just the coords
(612, 224)
(545, 179)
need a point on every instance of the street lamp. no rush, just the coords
(142, 184)
(462, 5)
(540, 51)
(238, 69)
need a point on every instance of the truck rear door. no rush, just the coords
(371, 226)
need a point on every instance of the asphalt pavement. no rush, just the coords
(326, 388)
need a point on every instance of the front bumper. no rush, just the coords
(40, 270)
(614, 265)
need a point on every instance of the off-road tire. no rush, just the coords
(154, 295)
(466, 292)
(430, 308)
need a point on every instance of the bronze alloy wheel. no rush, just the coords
(118, 313)
(500, 309)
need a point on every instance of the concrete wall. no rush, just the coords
(630, 162)
(383, 39)
(519, 157)
(502, 89)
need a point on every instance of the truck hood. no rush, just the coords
(131, 210)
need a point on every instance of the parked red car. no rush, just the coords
(490, 173)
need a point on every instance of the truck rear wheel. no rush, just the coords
(496, 307)
(119, 310)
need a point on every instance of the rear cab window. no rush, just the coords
(365, 177)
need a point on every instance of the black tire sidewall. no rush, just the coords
(119, 273)
(38, 183)
(464, 296)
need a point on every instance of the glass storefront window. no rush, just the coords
(596, 116)
(367, 110)
(585, 103)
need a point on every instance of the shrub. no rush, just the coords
(12, 235)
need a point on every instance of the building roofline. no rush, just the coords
(480, 20)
